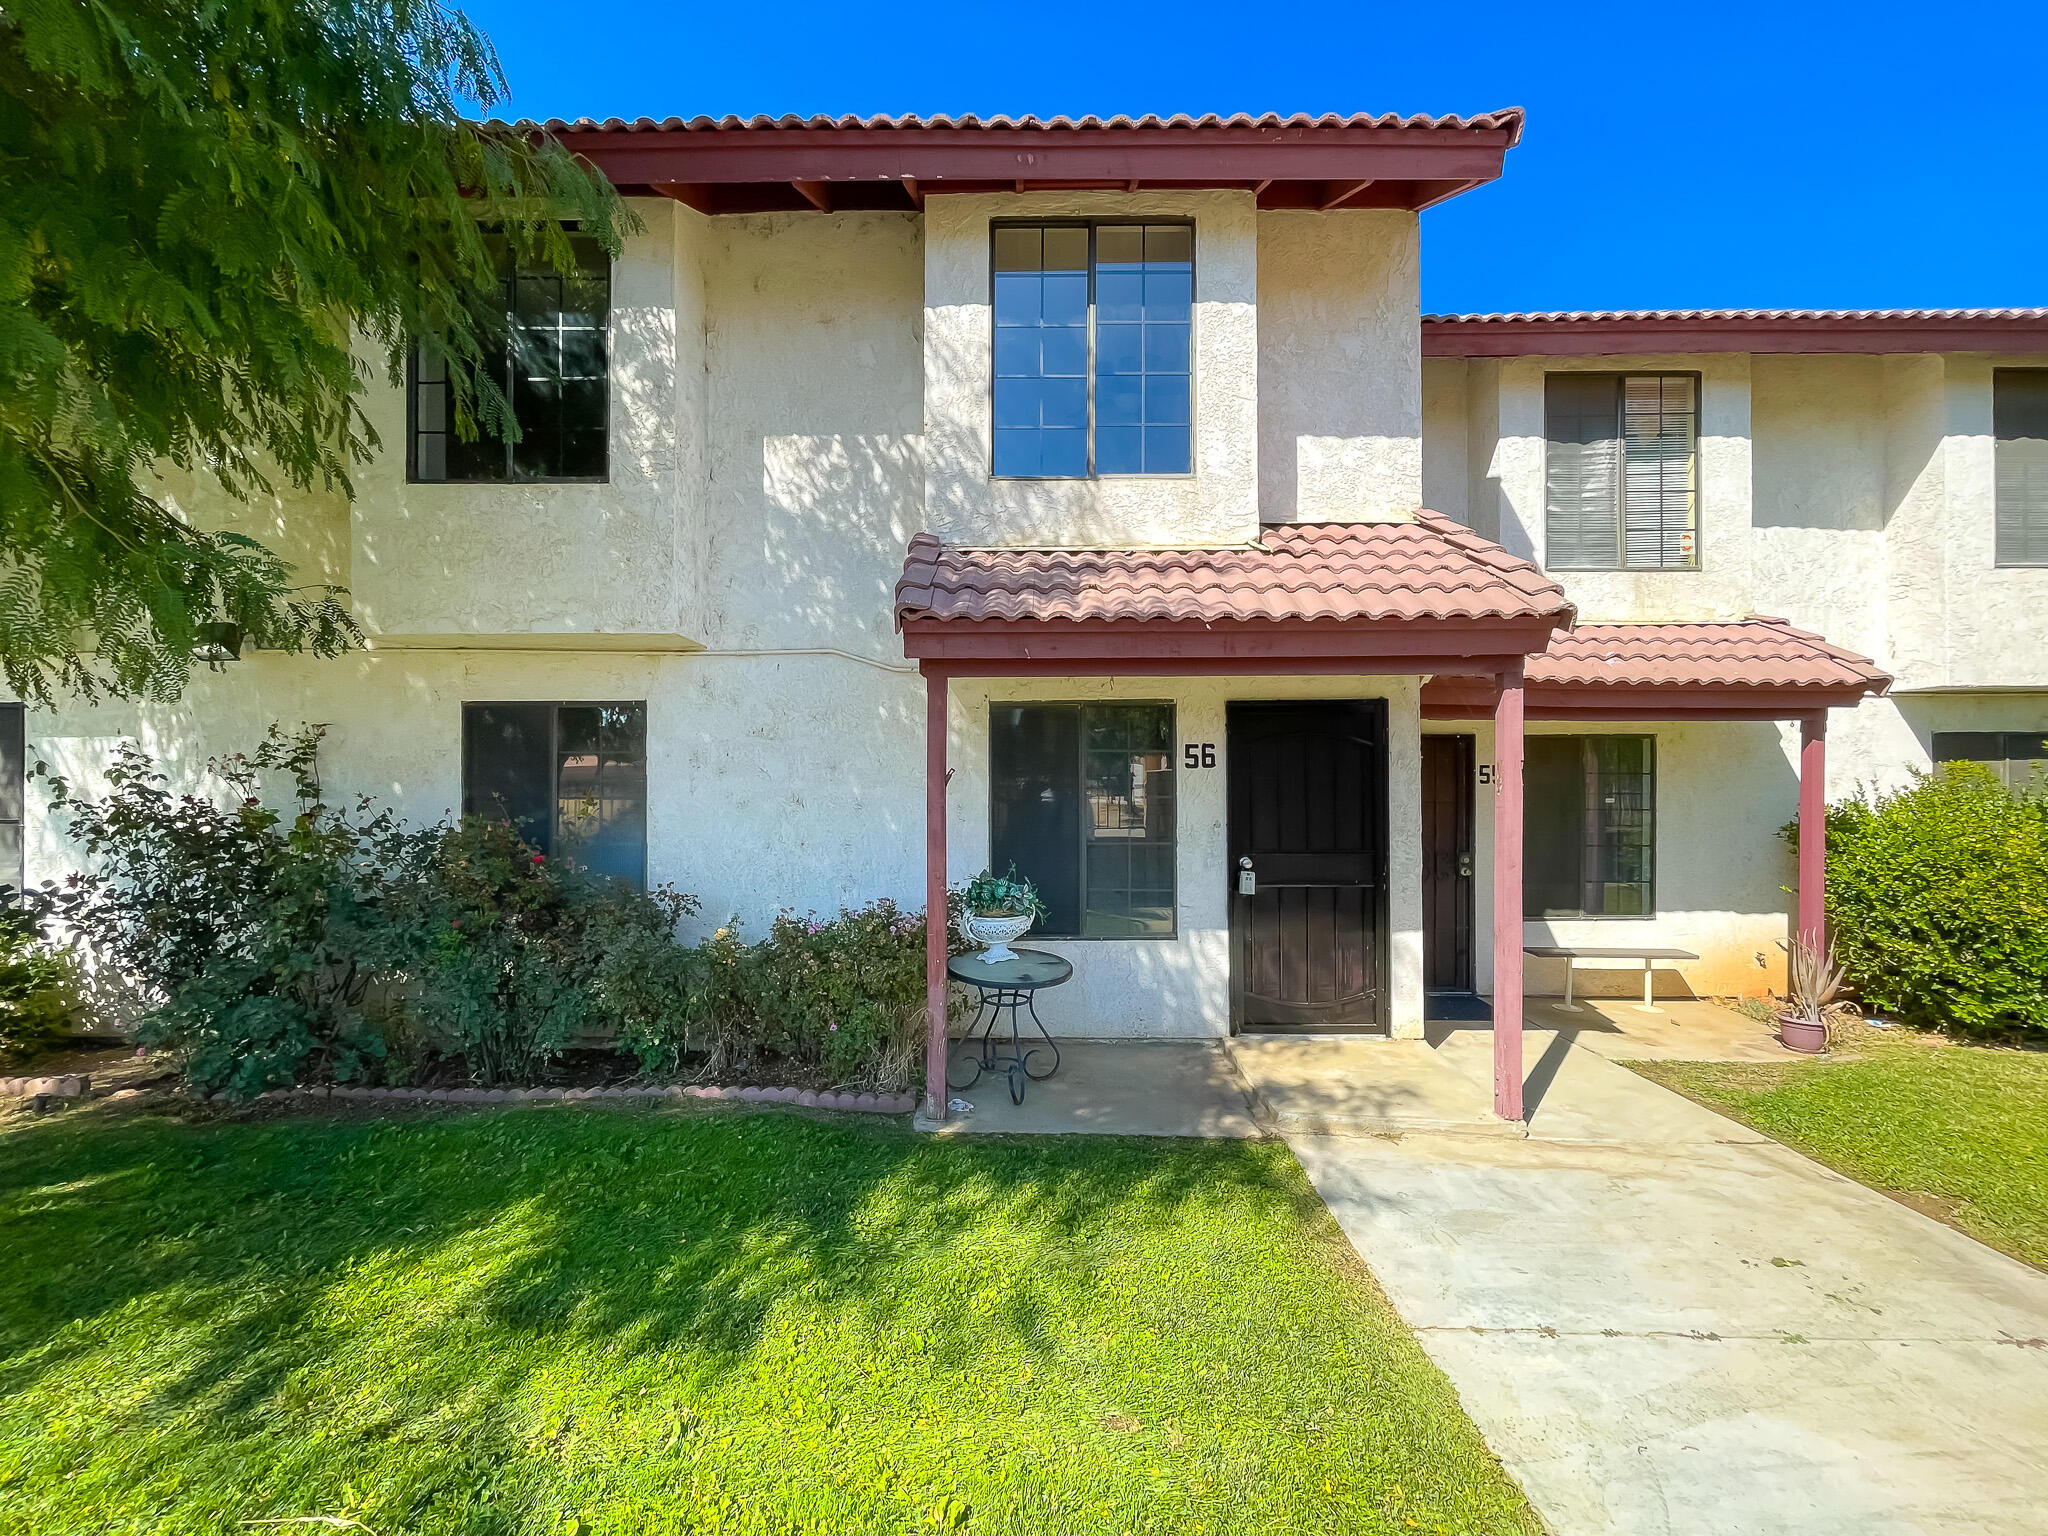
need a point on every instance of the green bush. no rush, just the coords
(267, 947)
(39, 988)
(1937, 896)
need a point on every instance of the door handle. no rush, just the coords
(1247, 881)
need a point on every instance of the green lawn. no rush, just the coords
(559, 1320)
(1966, 1125)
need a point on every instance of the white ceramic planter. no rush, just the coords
(994, 933)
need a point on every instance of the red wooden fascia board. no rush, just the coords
(1420, 645)
(1190, 666)
(1196, 156)
(1644, 337)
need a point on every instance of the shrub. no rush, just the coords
(517, 956)
(1937, 896)
(250, 934)
(39, 988)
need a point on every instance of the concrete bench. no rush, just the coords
(1571, 953)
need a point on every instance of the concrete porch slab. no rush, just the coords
(1306, 1085)
(1115, 1088)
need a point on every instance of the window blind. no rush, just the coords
(1620, 471)
(2019, 411)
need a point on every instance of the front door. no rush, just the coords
(1308, 866)
(1447, 863)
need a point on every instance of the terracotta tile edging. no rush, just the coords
(865, 1103)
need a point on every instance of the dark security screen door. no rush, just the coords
(1308, 808)
(1447, 863)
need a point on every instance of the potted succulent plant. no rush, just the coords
(999, 908)
(1813, 979)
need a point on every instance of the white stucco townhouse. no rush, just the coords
(919, 495)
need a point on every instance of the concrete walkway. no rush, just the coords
(1665, 1324)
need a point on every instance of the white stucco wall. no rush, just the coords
(1340, 360)
(1446, 446)
(516, 560)
(1217, 504)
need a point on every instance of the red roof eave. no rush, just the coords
(1645, 332)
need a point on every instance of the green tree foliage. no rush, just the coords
(217, 218)
(1937, 898)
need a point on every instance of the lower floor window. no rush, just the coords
(1590, 841)
(571, 777)
(2017, 757)
(13, 766)
(1081, 801)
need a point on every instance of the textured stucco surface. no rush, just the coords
(1217, 504)
(1339, 367)
(524, 559)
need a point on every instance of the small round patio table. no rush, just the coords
(1007, 986)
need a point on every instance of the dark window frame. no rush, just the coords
(511, 476)
(1621, 377)
(2034, 754)
(2002, 558)
(14, 794)
(555, 708)
(1194, 339)
(1081, 826)
(1649, 810)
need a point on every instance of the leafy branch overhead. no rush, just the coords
(218, 222)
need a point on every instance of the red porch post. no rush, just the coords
(1813, 827)
(935, 774)
(1507, 894)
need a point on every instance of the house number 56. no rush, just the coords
(1198, 754)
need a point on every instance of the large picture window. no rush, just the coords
(571, 777)
(1093, 349)
(545, 344)
(1590, 840)
(1081, 801)
(1621, 472)
(2019, 422)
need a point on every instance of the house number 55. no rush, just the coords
(1198, 754)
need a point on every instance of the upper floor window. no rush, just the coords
(1093, 336)
(544, 340)
(571, 777)
(2019, 421)
(1621, 471)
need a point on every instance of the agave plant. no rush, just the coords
(1814, 980)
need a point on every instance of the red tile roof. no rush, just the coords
(1597, 332)
(1508, 119)
(1728, 653)
(1430, 569)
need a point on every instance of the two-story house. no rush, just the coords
(917, 495)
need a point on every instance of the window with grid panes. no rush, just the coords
(1621, 471)
(545, 342)
(1093, 357)
(1082, 803)
(2019, 424)
(2018, 758)
(1589, 840)
(571, 777)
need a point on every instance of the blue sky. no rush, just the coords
(1686, 156)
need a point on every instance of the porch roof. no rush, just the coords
(1760, 668)
(1427, 593)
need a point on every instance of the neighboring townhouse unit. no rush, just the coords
(919, 495)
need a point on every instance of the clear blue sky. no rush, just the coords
(1678, 156)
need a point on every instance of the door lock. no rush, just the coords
(1465, 866)
(1247, 882)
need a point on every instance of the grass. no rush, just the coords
(568, 1320)
(1963, 1128)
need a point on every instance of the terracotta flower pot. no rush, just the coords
(1803, 1035)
